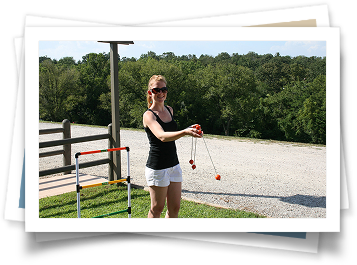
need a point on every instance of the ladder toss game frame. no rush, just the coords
(79, 187)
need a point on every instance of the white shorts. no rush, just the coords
(163, 177)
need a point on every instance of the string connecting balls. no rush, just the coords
(199, 131)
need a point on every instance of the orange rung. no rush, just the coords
(103, 183)
(91, 185)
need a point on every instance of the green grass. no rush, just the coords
(112, 198)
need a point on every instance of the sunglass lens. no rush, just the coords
(158, 90)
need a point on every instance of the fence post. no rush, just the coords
(66, 147)
(115, 108)
(110, 154)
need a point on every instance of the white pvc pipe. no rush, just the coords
(129, 193)
(78, 195)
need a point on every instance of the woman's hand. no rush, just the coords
(193, 131)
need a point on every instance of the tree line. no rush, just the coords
(257, 96)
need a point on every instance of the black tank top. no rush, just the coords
(162, 154)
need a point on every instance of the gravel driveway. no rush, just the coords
(275, 179)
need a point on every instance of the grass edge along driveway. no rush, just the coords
(112, 198)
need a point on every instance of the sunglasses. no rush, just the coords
(156, 90)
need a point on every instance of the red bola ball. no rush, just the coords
(191, 161)
(193, 166)
(218, 177)
(198, 127)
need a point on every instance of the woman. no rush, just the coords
(163, 173)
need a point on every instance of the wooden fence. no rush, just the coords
(66, 142)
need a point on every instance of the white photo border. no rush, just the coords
(329, 224)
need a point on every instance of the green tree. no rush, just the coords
(230, 92)
(93, 81)
(312, 116)
(66, 62)
(56, 84)
(299, 111)
(274, 74)
(251, 95)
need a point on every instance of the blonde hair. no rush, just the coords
(154, 78)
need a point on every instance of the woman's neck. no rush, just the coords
(158, 107)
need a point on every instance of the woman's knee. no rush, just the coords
(158, 208)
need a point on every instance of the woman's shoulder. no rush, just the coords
(171, 109)
(149, 114)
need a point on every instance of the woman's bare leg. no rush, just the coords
(158, 197)
(173, 200)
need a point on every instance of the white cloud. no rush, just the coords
(146, 45)
(296, 48)
(76, 49)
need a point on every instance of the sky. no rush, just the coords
(77, 49)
